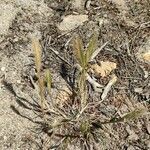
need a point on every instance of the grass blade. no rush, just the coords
(91, 47)
(129, 116)
(78, 50)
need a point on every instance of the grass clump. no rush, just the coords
(72, 123)
(38, 53)
(83, 56)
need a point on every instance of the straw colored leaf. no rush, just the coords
(146, 56)
(104, 69)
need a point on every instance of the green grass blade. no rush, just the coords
(91, 47)
(78, 50)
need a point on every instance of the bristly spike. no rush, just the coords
(37, 53)
(38, 61)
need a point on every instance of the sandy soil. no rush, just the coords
(124, 25)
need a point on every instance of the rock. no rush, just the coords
(71, 22)
(138, 90)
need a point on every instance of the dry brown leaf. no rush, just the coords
(146, 56)
(105, 68)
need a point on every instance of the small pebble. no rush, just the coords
(138, 90)
(3, 69)
(70, 22)
(5, 138)
(18, 81)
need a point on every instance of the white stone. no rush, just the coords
(71, 22)
(138, 90)
(3, 69)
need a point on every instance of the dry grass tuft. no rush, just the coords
(71, 122)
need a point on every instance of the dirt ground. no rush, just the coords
(125, 25)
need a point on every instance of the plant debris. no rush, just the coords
(92, 93)
(104, 69)
(108, 87)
